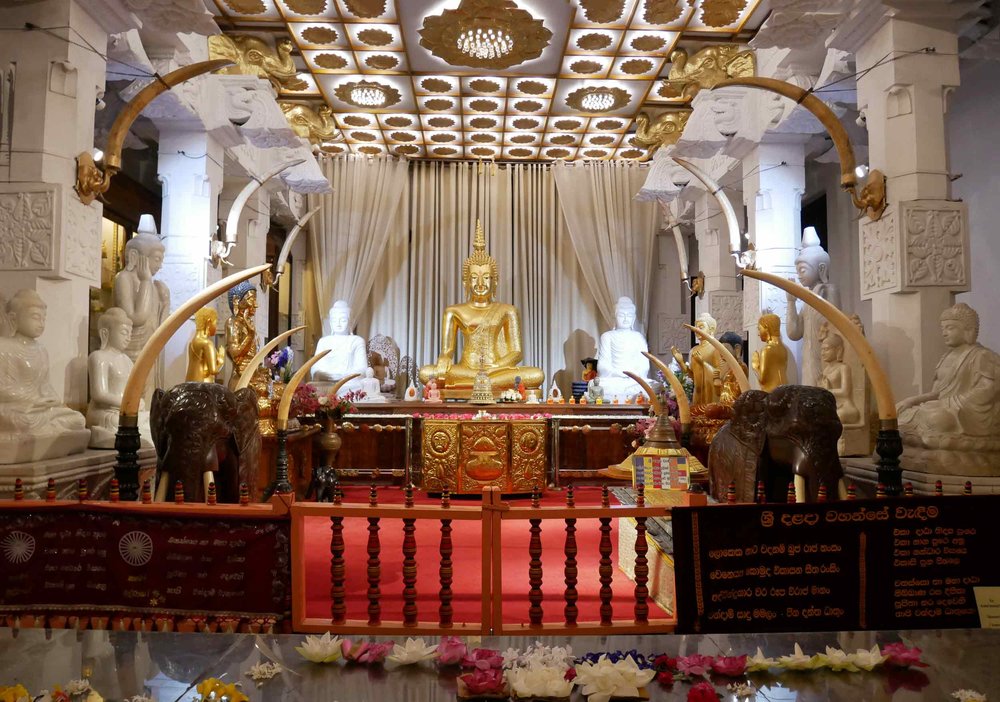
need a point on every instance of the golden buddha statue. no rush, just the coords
(204, 359)
(491, 333)
(771, 362)
(703, 364)
(241, 329)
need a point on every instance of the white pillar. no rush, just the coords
(723, 298)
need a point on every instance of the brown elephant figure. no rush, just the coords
(200, 427)
(777, 437)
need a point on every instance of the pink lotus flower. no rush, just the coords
(487, 681)
(730, 666)
(901, 656)
(695, 665)
(702, 692)
(376, 653)
(353, 650)
(451, 650)
(483, 659)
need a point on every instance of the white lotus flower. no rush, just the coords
(968, 696)
(511, 657)
(603, 680)
(837, 659)
(321, 649)
(799, 661)
(262, 672)
(867, 659)
(759, 662)
(539, 681)
(413, 651)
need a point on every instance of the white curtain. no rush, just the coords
(612, 233)
(349, 236)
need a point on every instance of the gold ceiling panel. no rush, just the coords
(565, 79)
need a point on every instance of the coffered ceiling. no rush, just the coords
(573, 77)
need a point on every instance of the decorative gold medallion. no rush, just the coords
(528, 106)
(247, 7)
(524, 139)
(438, 104)
(648, 42)
(441, 122)
(602, 11)
(636, 67)
(375, 37)
(407, 150)
(436, 85)
(320, 35)
(585, 67)
(662, 11)
(306, 7)
(519, 152)
(482, 151)
(594, 41)
(531, 87)
(332, 62)
(482, 85)
(357, 121)
(567, 125)
(366, 9)
(483, 138)
(445, 151)
(399, 121)
(482, 123)
(382, 62)
(721, 13)
(484, 105)
(563, 139)
(557, 153)
(370, 150)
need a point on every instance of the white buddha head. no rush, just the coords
(706, 323)
(812, 265)
(369, 372)
(26, 311)
(340, 317)
(115, 329)
(146, 243)
(624, 313)
(959, 325)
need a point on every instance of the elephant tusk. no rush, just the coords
(683, 406)
(259, 358)
(281, 421)
(233, 219)
(147, 357)
(880, 382)
(653, 399)
(340, 383)
(286, 248)
(728, 357)
(725, 205)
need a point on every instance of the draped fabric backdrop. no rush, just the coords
(612, 233)
(419, 271)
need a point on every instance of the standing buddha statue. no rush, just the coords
(491, 333)
(241, 329)
(204, 359)
(812, 266)
(704, 364)
(771, 362)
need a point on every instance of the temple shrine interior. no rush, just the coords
(499, 349)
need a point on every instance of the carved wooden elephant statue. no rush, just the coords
(789, 434)
(203, 427)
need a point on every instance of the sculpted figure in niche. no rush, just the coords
(204, 359)
(836, 375)
(34, 424)
(812, 266)
(146, 301)
(955, 427)
(620, 350)
(347, 351)
(704, 364)
(771, 362)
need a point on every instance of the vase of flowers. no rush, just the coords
(330, 409)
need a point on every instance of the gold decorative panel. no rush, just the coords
(440, 454)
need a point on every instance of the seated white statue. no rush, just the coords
(620, 350)
(594, 390)
(34, 423)
(555, 394)
(955, 428)
(371, 387)
(108, 369)
(347, 351)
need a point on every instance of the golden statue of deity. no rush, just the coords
(703, 365)
(491, 333)
(241, 329)
(771, 362)
(204, 359)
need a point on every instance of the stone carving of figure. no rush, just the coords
(594, 390)
(621, 350)
(771, 362)
(34, 424)
(836, 376)
(704, 364)
(730, 389)
(812, 266)
(370, 386)
(204, 359)
(490, 330)
(241, 329)
(347, 351)
(255, 57)
(146, 301)
(957, 423)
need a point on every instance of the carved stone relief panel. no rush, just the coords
(879, 243)
(28, 226)
(935, 244)
(727, 308)
(81, 240)
(671, 332)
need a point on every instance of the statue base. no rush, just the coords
(862, 472)
(43, 448)
(94, 465)
(951, 454)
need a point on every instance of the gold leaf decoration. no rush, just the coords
(320, 35)
(253, 56)
(482, 151)
(619, 98)
(531, 87)
(370, 150)
(402, 136)
(368, 9)
(563, 139)
(558, 153)
(362, 136)
(483, 123)
(721, 13)
(375, 37)
(484, 86)
(706, 69)
(636, 67)
(483, 138)
(607, 124)
(441, 122)
(443, 138)
(483, 105)
(602, 11)
(585, 67)
(306, 7)
(399, 121)
(445, 151)
(594, 41)
(648, 42)
(602, 140)
(523, 123)
(567, 124)
(519, 152)
(330, 61)
(595, 153)
(438, 104)
(664, 130)
(436, 85)
(247, 7)
(523, 139)
(440, 33)
(528, 106)
(343, 92)
(382, 62)
(356, 121)
(407, 149)
(332, 149)
(662, 11)
(631, 153)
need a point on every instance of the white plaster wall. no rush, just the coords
(668, 300)
(974, 152)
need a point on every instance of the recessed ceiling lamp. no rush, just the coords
(598, 101)
(366, 94)
(484, 40)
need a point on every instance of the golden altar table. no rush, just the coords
(466, 455)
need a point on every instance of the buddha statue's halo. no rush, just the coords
(237, 293)
(479, 257)
(964, 315)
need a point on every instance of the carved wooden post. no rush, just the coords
(446, 573)
(338, 571)
(374, 562)
(409, 565)
(605, 570)
(535, 565)
(570, 612)
(641, 565)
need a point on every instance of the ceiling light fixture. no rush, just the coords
(366, 94)
(484, 41)
(598, 101)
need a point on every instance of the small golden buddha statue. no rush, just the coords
(771, 362)
(241, 329)
(204, 359)
(491, 333)
(704, 364)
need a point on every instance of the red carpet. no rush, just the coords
(467, 559)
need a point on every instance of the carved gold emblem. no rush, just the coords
(594, 41)
(330, 61)
(253, 56)
(315, 125)
(721, 13)
(602, 11)
(648, 42)
(654, 134)
(382, 62)
(399, 121)
(306, 7)
(531, 87)
(523, 139)
(435, 85)
(484, 86)
(663, 11)
(520, 152)
(247, 7)
(637, 67)
(368, 9)
(375, 37)
(320, 35)
(706, 69)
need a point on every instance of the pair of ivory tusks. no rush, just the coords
(261, 355)
(725, 205)
(683, 406)
(281, 422)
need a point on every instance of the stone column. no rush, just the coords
(723, 297)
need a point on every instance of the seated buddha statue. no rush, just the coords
(620, 350)
(491, 333)
(346, 355)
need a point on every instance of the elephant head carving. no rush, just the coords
(200, 427)
(775, 437)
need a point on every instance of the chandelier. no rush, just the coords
(366, 94)
(484, 41)
(598, 101)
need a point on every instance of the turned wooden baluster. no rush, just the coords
(374, 563)
(605, 569)
(446, 573)
(409, 565)
(570, 612)
(338, 570)
(641, 564)
(535, 565)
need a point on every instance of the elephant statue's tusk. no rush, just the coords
(653, 399)
(261, 355)
(683, 406)
(281, 420)
(735, 247)
(727, 356)
(342, 381)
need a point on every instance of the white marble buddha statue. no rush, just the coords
(812, 266)
(371, 387)
(347, 351)
(34, 423)
(146, 301)
(955, 428)
(620, 350)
